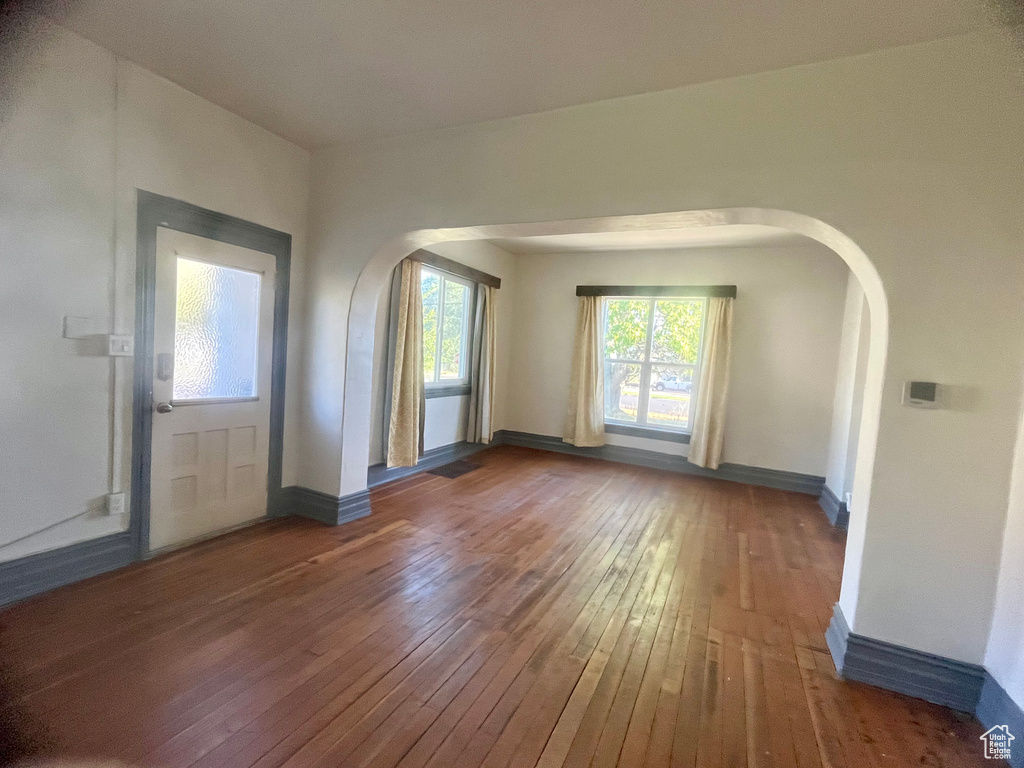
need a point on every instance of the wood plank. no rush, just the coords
(543, 610)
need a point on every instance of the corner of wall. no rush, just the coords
(1004, 653)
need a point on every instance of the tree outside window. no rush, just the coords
(652, 352)
(445, 329)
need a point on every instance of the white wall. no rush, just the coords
(445, 421)
(857, 402)
(849, 392)
(914, 153)
(1004, 657)
(787, 323)
(56, 236)
(83, 132)
(446, 418)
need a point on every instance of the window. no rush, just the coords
(445, 328)
(652, 350)
(216, 332)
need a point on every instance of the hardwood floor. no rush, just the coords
(542, 610)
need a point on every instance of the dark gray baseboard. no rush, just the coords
(995, 707)
(951, 683)
(739, 473)
(34, 574)
(835, 510)
(379, 474)
(836, 636)
(328, 509)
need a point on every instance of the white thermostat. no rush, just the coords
(921, 394)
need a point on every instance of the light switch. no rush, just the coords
(120, 346)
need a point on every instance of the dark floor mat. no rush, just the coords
(455, 469)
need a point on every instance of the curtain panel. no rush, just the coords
(480, 428)
(584, 423)
(713, 387)
(408, 406)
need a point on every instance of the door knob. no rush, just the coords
(164, 407)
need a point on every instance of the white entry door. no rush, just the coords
(213, 340)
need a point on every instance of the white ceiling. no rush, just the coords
(325, 71)
(732, 235)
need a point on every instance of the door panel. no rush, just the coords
(213, 341)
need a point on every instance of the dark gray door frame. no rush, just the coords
(158, 211)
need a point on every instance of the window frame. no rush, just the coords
(438, 386)
(643, 428)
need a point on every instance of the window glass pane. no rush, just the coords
(431, 285)
(676, 331)
(671, 393)
(216, 331)
(456, 299)
(625, 330)
(621, 391)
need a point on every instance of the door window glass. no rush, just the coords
(216, 332)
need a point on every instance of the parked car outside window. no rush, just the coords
(672, 383)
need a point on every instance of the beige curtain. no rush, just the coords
(405, 432)
(584, 423)
(481, 397)
(713, 386)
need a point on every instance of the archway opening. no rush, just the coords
(356, 425)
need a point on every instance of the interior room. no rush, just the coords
(784, 377)
(433, 385)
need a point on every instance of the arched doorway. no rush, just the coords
(362, 312)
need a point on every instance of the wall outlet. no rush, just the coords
(120, 346)
(115, 503)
